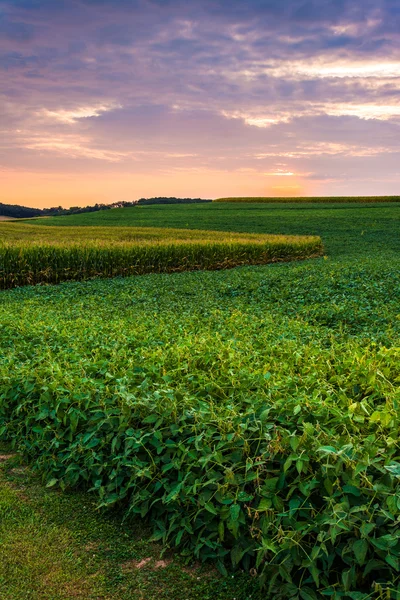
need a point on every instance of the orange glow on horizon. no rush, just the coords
(43, 190)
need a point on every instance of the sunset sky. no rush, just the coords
(107, 100)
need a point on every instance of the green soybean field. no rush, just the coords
(247, 418)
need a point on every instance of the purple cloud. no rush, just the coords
(309, 88)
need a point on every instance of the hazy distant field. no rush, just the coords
(345, 228)
(314, 200)
(250, 415)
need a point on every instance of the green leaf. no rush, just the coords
(391, 502)
(278, 503)
(234, 510)
(211, 508)
(221, 568)
(173, 493)
(179, 537)
(328, 486)
(268, 545)
(265, 504)
(309, 428)
(307, 593)
(348, 579)
(270, 484)
(52, 483)
(221, 530)
(351, 489)
(244, 497)
(315, 574)
(287, 464)
(327, 449)
(265, 414)
(366, 529)
(373, 565)
(393, 562)
(294, 443)
(259, 559)
(236, 555)
(44, 413)
(385, 541)
(394, 469)
(150, 419)
(375, 417)
(360, 549)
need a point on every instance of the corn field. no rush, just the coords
(27, 262)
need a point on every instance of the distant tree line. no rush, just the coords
(162, 200)
(23, 212)
(18, 212)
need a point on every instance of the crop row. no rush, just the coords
(27, 264)
(312, 199)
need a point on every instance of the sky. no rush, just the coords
(109, 100)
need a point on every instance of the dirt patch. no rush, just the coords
(195, 570)
(91, 546)
(162, 564)
(198, 570)
(5, 457)
(75, 588)
(148, 562)
(19, 471)
(131, 565)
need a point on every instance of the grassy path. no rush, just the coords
(56, 546)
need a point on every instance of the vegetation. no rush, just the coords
(163, 200)
(18, 212)
(31, 255)
(24, 212)
(251, 416)
(314, 199)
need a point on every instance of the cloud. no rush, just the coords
(153, 86)
(79, 112)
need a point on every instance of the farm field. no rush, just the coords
(252, 414)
